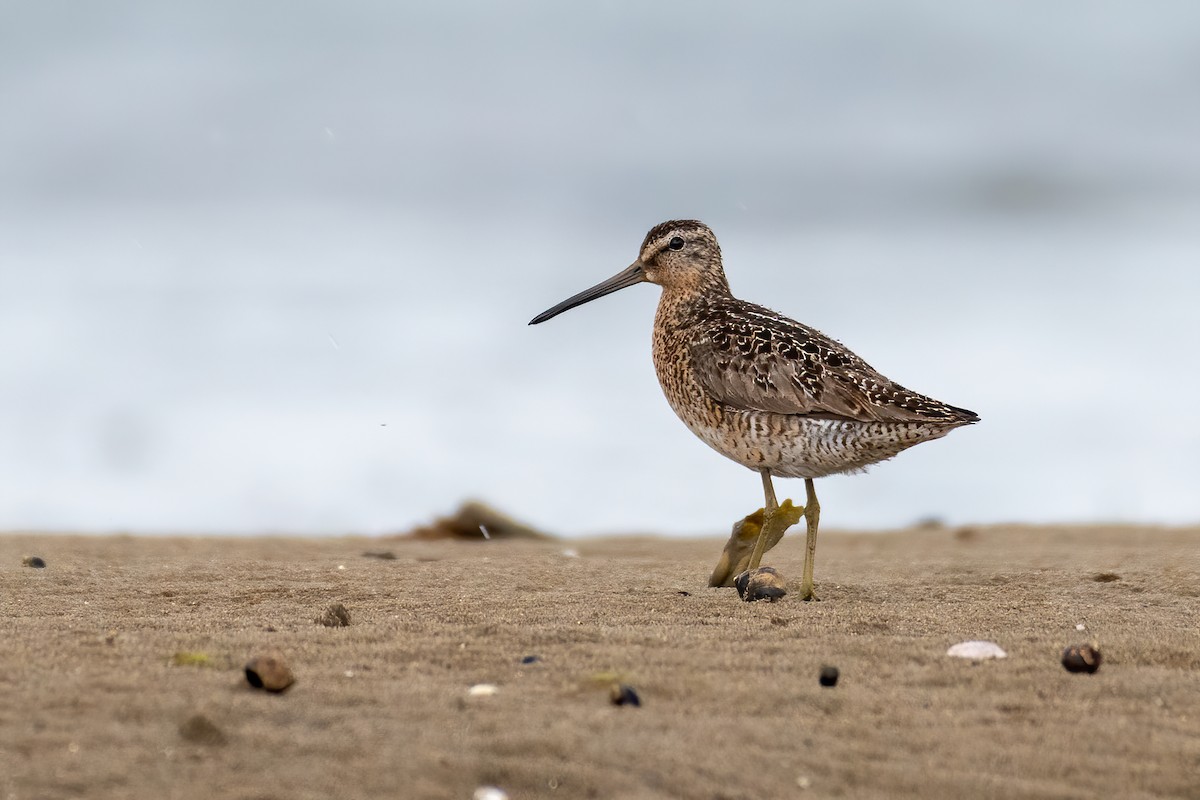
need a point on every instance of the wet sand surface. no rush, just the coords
(121, 670)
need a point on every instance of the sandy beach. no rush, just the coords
(122, 668)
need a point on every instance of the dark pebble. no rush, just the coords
(764, 583)
(336, 616)
(269, 672)
(531, 659)
(829, 676)
(384, 555)
(622, 694)
(1081, 658)
(1106, 577)
(37, 562)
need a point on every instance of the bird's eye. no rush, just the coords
(676, 243)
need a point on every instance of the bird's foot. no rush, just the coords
(807, 592)
(764, 583)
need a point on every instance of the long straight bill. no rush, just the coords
(626, 277)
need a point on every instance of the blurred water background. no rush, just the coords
(268, 266)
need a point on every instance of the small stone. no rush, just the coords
(764, 583)
(1106, 577)
(622, 694)
(201, 730)
(1081, 658)
(335, 616)
(531, 659)
(382, 555)
(37, 562)
(269, 672)
(829, 676)
(483, 690)
(977, 651)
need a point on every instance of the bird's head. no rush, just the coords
(680, 256)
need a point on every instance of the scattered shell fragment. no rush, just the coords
(269, 672)
(622, 694)
(192, 658)
(37, 562)
(977, 651)
(483, 690)
(1081, 658)
(764, 583)
(490, 793)
(200, 729)
(829, 676)
(605, 678)
(335, 616)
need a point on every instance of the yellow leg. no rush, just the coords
(812, 516)
(769, 510)
(776, 520)
(755, 535)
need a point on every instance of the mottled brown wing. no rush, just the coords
(750, 357)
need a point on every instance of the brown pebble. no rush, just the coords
(622, 694)
(764, 583)
(335, 616)
(37, 562)
(1106, 577)
(1081, 658)
(383, 555)
(269, 672)
(200, 729)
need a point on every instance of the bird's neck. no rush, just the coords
(682, 304)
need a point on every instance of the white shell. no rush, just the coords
(490, 793)
(977, 650)
(483, 690)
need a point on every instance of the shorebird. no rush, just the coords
(766, 391)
